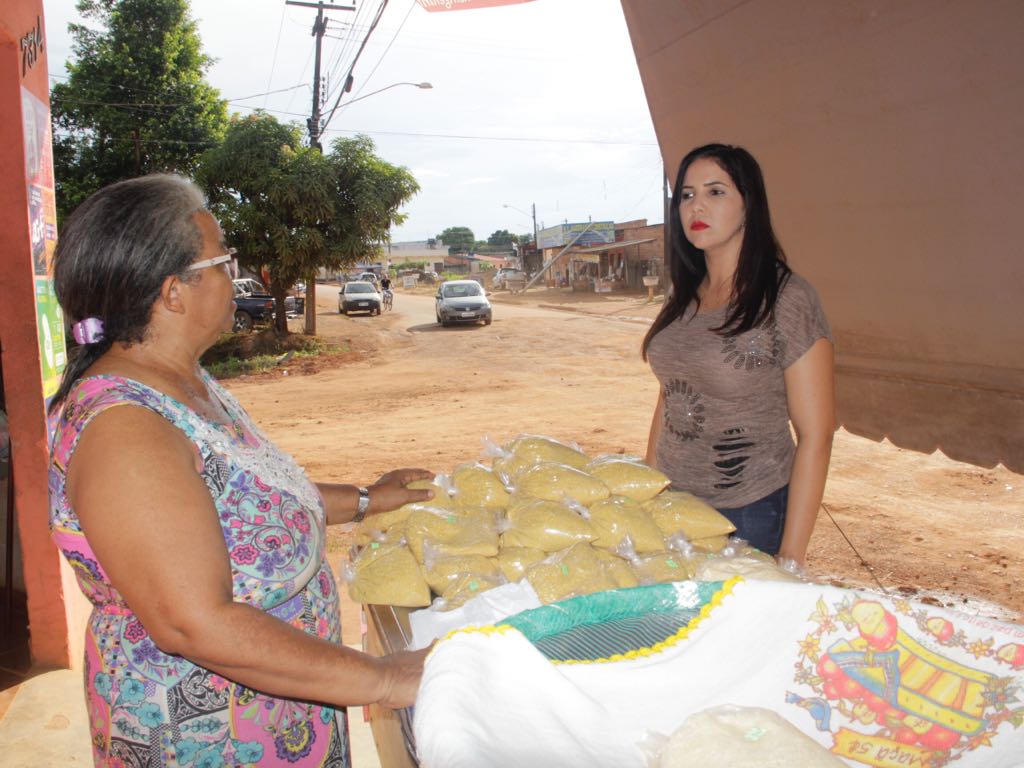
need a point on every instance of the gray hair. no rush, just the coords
(113, 255)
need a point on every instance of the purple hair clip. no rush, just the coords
(88, 331)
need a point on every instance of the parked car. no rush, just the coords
(251, 309)
(255, 305)
(504, 274)
(462, 301)
(359, 296)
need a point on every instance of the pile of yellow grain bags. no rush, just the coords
(546, 512)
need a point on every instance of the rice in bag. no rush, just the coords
(514, 561)
(443, 571)
(556, 482)
(466, 588)
(474, 485)
(571, 572)
(543, 524)
(682, 512)
(453, 532)
(617, 517)
(388, 574)
(711, 544)
(630, 478)
(536, 449)
(663, 567)
(620, 570)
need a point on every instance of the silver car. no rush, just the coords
(462, 301)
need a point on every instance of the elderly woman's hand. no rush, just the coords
(390, 491)
(402, 673)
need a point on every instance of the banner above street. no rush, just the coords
(465, 5)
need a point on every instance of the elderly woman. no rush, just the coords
(215, 632)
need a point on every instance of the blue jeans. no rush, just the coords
(761, 522)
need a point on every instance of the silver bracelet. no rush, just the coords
(364, 504)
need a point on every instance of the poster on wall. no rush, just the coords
(39, 177)
(42, 213)
(50, 324)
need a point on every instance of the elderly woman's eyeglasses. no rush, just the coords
(222, 259)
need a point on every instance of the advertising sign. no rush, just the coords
(50, 324)
(465, 5)
(600, 232)
(42, 220)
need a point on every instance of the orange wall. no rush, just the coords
(47, 580)
(890, 137)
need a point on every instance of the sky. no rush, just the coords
(533, 104)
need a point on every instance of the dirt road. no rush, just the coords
(411, 394)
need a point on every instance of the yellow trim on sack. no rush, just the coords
(668, 642)
(714, 602)
(490, 629)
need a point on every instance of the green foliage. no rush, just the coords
(458, 239)
(293, 210)
(136, 100)
(236, 354)
(501, 237)
(397, 266)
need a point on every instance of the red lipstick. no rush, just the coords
(698, 225)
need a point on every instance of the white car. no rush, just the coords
(504, 274)
(359, 296)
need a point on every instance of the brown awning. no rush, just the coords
(897, 196)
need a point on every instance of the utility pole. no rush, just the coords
(313, 125)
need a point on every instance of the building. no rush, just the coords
(607, 257)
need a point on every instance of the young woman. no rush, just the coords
(741, 349)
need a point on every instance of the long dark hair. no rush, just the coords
(113, 255)
(761, 271)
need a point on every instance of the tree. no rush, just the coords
(135, 101)
(292, 210)
(458, 239)
(501, 237)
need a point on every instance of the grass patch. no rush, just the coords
(236, 354)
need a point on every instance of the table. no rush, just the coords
(387, 631)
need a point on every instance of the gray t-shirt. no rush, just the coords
(725, 435)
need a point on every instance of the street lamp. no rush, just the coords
(422, 86)
(533, 207)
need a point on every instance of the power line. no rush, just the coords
(535, 139)
(362, 46)
(72, 100)
(366, 80)
(348, 42)
(273, 62)
(419, 135)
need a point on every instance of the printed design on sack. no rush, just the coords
(896, 686)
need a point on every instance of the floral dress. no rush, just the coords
(148, 708)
